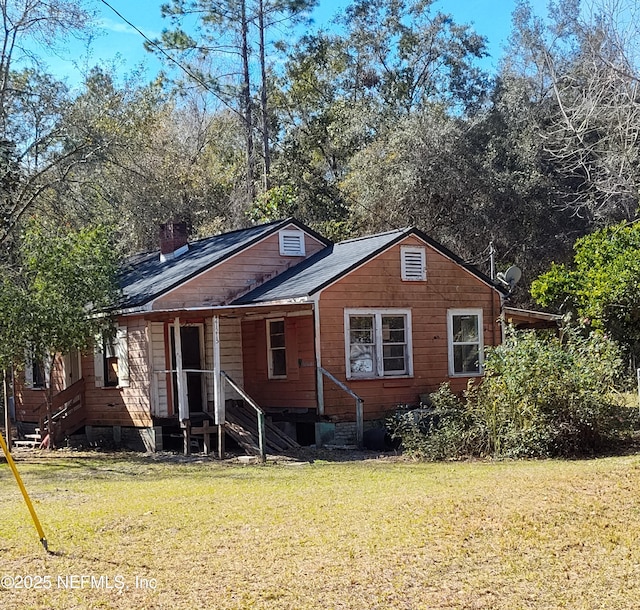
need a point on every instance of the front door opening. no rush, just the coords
(190, 338)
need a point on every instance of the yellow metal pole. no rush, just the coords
(25, 495)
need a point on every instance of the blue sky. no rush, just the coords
(117, 43)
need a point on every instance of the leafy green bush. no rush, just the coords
(542, 396)
(550, 396)
(445, 428)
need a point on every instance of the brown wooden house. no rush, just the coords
(318, 336)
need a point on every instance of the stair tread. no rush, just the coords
(32, 443)
(246, 420)
(242, 437)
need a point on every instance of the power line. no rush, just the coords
(173, 60)
(479, 259)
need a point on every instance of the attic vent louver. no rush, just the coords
(291, 243)
(414, 268)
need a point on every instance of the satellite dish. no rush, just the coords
(513, 275)
(510, 277)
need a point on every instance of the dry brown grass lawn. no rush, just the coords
(351, 535)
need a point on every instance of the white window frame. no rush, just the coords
(121, 345)
(406, 270)
(378, 314)
(270, 349)
(285, 237)
(451, 313)
(29, 370)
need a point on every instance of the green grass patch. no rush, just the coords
(360, 535)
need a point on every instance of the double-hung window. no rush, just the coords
(464, 329)
(37, 372)
(378, 343)
(111, 359)
(277, 349)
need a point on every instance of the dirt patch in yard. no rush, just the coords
(298, 456)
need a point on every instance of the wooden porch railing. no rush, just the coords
(67, 412)
(262, 443)
(359, 405)
(262, 434)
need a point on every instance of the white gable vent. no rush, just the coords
(414, 264)
(291, 243)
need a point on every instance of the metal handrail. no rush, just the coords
(259, 412)
(262, 444)
(359, 404)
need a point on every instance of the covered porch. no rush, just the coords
(245, 372)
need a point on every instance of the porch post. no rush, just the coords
(318, 355)
(218, 387)
(217, 377)
(183, 407)
(359, 422)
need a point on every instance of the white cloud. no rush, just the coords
(122, 28)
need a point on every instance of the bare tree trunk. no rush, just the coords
(48, 380)
(7, 414)
(263, 99)
(49, 422)
(246, 100)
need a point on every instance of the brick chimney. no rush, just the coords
(173, 240)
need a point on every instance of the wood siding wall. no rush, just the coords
(128, 406)
(298, 390)
(158, 358)
(235, 276)
(375, 285)
(29, 400)
(378, 284)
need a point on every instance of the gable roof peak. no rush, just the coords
(145, 277)
(376, 235)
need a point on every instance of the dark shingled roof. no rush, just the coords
(335, 261)
(144, 277)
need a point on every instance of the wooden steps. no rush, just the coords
(242, 427)
(31, 441)
(67, 412)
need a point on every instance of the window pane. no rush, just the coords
(277, 350)
(393, 329)
(277, 327)
(276, 332)
(465, 329)
(111, 371)
(394, 358)
(361, 329)
(278, 362)
(362, 344)
(110, 347)
(277, 340)
(465, 359)
(361, 322)
(361, 359)
(361, 336)
(38, 374)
